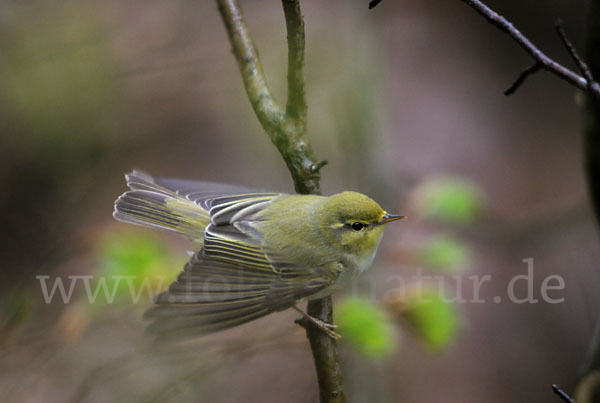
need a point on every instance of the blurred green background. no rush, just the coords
(406, 104)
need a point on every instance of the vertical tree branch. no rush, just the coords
(588, 391)
(268, 112)
(287, 131)
(325, 356)
(296, 101)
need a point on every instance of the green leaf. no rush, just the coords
(449, 199)
(444, 253)
(434, 320)
(365, 327)
(139, 257)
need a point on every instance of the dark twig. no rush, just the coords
(562, 394)
(373, 4)
(287, 131)
(586, 83)
(534, 68)
(581, 65)
(317, 167)
(540, 57)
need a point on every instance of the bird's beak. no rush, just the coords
(387, 217)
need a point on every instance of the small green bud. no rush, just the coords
(366, 327)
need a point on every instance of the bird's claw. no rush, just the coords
(327, 328)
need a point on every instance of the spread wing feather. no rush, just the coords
(211, 295)
(235, 252)
(244, 208)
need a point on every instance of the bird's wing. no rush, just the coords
(227, 283)
(212, 295)
(234, 236)
(208, 194)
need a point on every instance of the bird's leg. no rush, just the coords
(328, 328)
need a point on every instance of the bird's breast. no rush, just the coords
(349, 269)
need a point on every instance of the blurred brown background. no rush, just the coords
(410, 90)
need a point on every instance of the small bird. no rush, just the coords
(256, 252)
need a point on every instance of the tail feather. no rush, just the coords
(150, 204)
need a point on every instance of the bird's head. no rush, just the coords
(353, 222)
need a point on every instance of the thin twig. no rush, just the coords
(317, 167)
(547, 63)
(373, 4)
(287, 131)
(534, 68)
(562, 394)
(586, 83)
(581, 65)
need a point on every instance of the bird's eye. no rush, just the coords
(357, 226)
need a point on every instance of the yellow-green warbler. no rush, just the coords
(256, 253)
